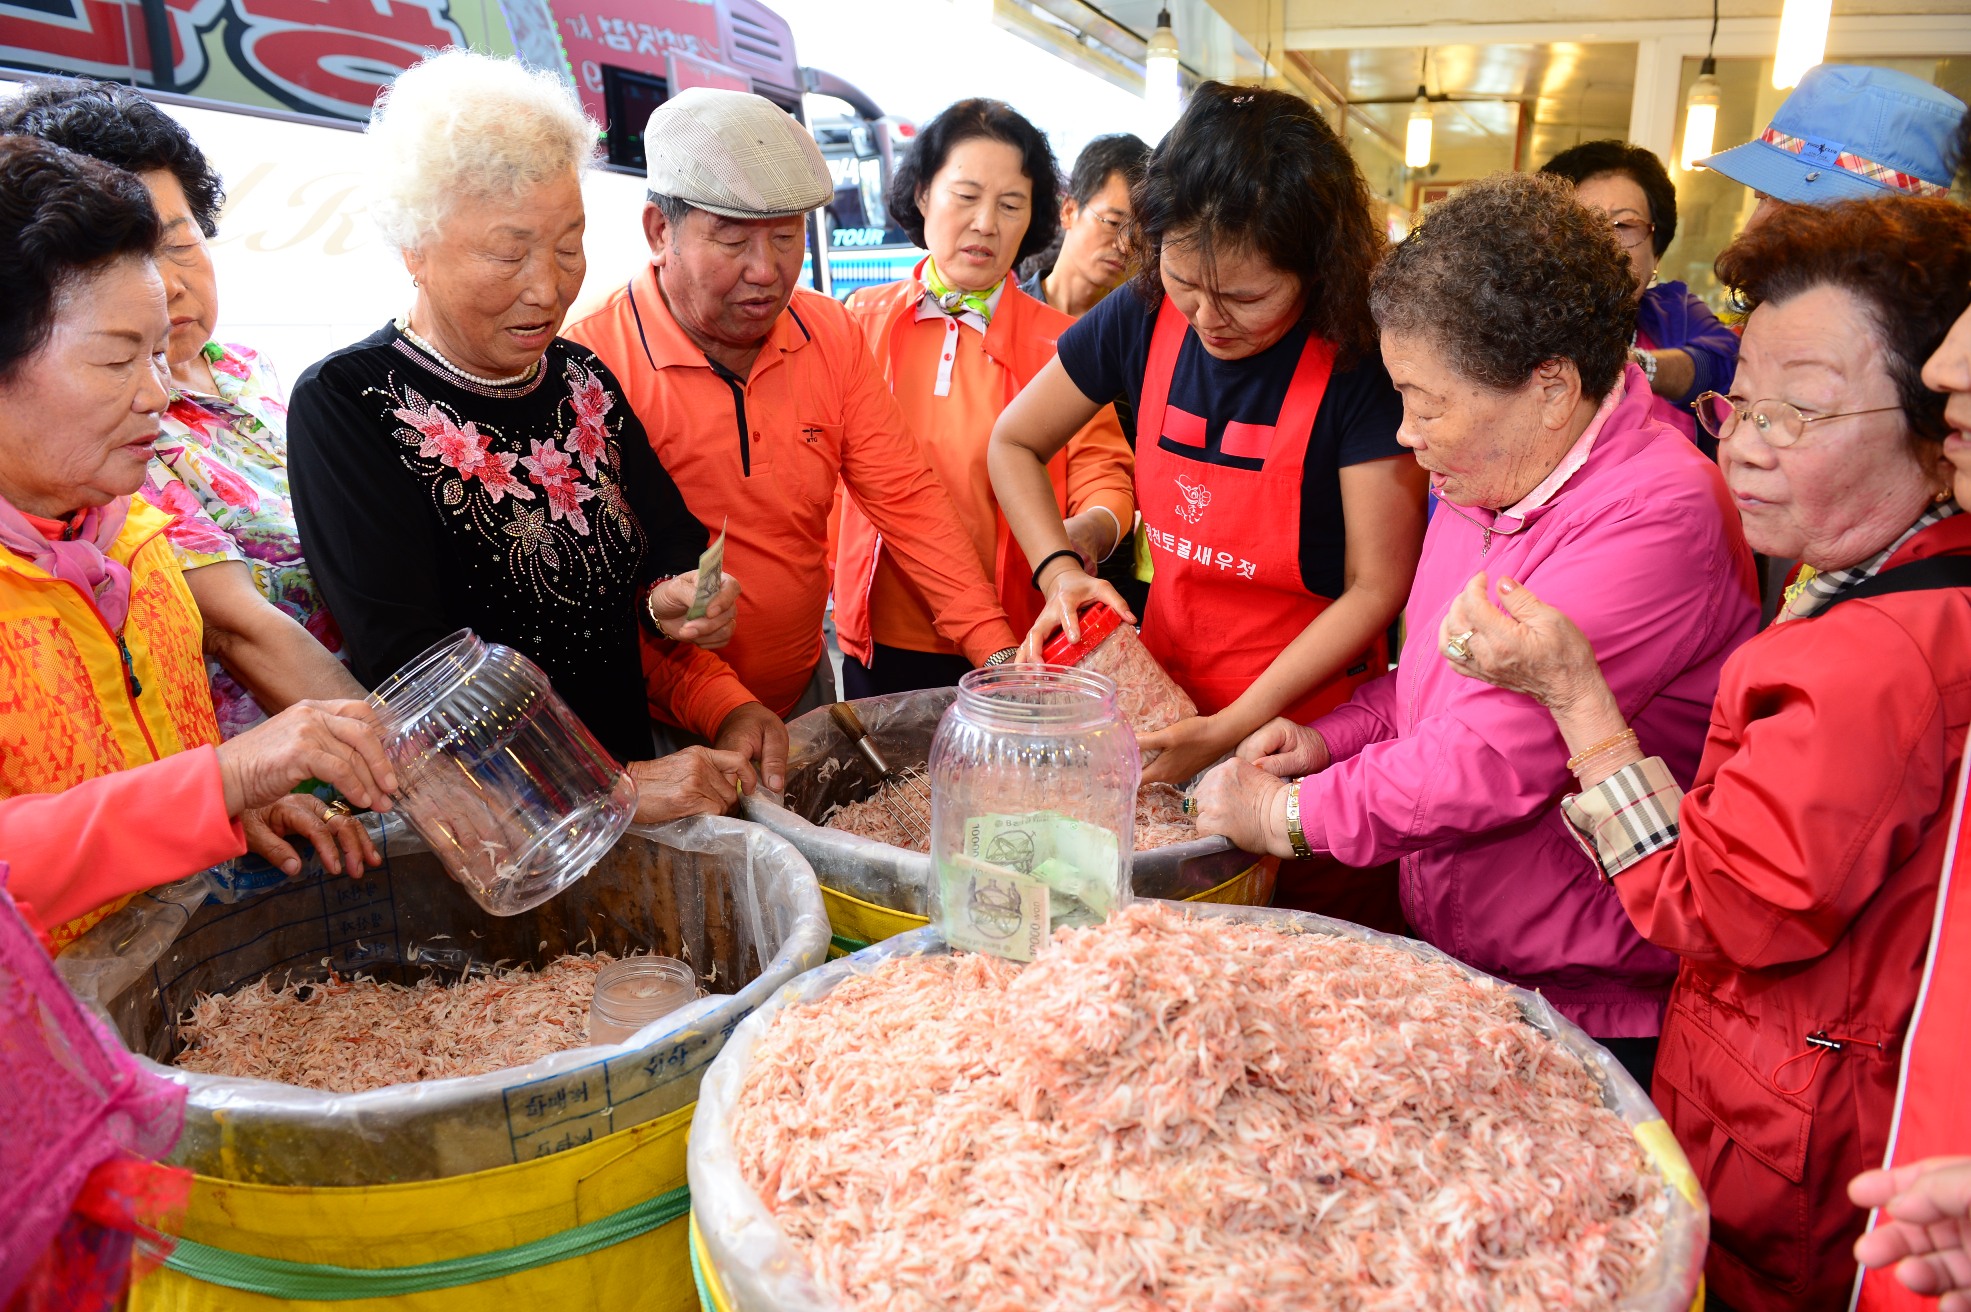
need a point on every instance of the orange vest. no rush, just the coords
(70, 709)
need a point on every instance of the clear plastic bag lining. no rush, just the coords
(738, 903)
(825, 771)
(762, 1272)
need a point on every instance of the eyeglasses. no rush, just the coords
(1780, 423)
(1632, 233)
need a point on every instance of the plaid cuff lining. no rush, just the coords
(1626, 816)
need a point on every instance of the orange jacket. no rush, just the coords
(71, 711)
(1096, 468)
(763, 457)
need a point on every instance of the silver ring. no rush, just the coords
(1457, 649)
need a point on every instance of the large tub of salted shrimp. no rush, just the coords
(875, 880)
(338, 1032)
(392, 1098)
(1193, 1107)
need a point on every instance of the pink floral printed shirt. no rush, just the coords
(221, 467)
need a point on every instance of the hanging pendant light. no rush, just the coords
(1701, 107)
(1162, 84)
(1802, 40)
(1700, 117)
(1416, 142)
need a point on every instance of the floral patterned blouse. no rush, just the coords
(534, 513)
(221, 467)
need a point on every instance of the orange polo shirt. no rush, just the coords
(986, 371)
(763, 455)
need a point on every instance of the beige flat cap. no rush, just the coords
(734, 154)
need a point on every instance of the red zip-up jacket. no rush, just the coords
(1800, 897)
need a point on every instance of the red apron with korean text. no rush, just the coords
(1225, 539)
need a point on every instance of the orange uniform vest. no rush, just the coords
(1225, 541)
(75, 701)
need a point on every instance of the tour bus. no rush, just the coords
(275, 92)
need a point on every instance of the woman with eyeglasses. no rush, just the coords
(1679, 344)
(1797, 878)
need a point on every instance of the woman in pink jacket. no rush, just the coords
(1505, 322)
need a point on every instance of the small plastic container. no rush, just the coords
(1150, 698)
(634, 991)
(1033, 808)
(505, 783)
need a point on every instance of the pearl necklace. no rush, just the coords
(404, 327)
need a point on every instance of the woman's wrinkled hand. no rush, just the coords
(1925, 1230)
(1177, 754)
(694, 781)
(1290, 751)
(1245, 804)
(339, 840)
(337, 742)
(1069, 590)
(670, 599)
(1521, 644)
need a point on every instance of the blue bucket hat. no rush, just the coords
(1849, 132)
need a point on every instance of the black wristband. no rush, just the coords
(1049, 559)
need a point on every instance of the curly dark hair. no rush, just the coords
(994, 120)
(118, 126)
(1509, 273)
(1907, 258)
(1594, 159)
(62, 217)
(1259, 170)
(1103, 158)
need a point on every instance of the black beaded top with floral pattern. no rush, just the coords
(535, 514)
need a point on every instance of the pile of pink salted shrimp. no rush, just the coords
(1176, 1112)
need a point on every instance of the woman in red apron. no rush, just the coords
(1283, 519)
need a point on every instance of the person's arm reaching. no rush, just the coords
(1490, 756)
(891, 481)
(73, 851)
(1752, 879)
(259, 644)
(1740, 869)
(1031, 430)
(1703, 362)
(1384, 519)
(1101, 488)
(76, 850)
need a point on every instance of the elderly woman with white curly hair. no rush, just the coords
(465, 467)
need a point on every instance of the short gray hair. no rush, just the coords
(461, 126)
(1508, 273)
(670, 207)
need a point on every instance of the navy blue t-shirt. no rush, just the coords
(1105, 354)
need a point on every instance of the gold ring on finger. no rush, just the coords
(1459, 648)
(335, 811)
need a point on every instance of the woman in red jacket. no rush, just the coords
(1798, 877)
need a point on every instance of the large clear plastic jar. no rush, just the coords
(1033, 807)
(505, 783)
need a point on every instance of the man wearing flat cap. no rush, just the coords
(760, 397)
